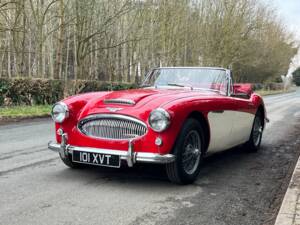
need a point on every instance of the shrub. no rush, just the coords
(267, 86)
(4, 87)
(257, 86)
(44, 91)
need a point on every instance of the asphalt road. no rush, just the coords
(234, 187)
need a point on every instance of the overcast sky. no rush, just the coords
(289, 11)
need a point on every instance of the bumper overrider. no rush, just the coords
(130, 156)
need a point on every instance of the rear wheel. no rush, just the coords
(188, 152)
(256, 134)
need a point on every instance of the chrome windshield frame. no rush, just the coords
(229, 82)
(227, 72)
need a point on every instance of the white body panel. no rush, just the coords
(242, 127)
(228, 129)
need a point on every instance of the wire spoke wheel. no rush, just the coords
(188, 151)
(192, 152)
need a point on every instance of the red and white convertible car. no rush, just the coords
(178, 116)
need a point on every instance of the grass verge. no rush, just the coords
(15, 112)
(273, 92)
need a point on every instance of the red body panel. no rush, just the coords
(243, 88)
(180, 103)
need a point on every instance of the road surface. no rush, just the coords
(234, 187)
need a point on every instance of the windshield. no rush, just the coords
(202, 78)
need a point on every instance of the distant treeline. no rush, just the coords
(118, 40)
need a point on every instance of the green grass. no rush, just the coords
(273, 92)
(24, 111)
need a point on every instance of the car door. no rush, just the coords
(242, 126)
(221, 119)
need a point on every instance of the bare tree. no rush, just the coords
(117, 40)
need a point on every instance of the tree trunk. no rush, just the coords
(60, 43)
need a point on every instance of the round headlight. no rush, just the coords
(60, 112)
(159, 120)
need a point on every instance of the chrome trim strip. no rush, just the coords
(119, 101)
(145, 157)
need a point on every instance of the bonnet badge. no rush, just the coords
(113, 109)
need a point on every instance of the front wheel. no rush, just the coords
(188, 151)
(69, 163)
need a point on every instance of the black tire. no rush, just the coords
(177, 171)
(68, 162)
(254, 142)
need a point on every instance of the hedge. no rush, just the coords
(46, 91)
(267, 86)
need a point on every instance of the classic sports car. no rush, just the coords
(178, 116)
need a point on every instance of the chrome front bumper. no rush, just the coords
(129, 156)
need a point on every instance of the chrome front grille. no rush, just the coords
(112, 126)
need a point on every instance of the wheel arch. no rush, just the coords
(199, 116)
(261, 109)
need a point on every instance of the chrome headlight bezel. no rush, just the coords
(60, 112)
(159, 120)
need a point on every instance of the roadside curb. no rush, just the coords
(7, 120)
(289, 213)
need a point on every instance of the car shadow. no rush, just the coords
(140, 173)
(155, 174)
(229, 154)
(229, 163)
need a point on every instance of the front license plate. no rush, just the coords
(97, 159)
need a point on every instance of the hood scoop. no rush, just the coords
(119, 101)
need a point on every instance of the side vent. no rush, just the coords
(119, 101)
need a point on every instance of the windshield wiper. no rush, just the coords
(179, 85)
